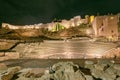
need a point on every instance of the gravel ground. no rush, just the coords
(43, 63)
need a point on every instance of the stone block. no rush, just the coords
(3, 66)
(88, 77)
(12, 55)
(36, 72)
(8, 75)
(2, 54)
(118, 78)
(89, 62)
(4, 58)
(116, 66)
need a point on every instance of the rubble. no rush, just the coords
(8, 74)
(3, 66)
(100, 70)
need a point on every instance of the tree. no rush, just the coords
(58, 27)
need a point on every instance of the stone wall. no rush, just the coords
(47, 50)
(73, 22)
(113, 53)
(9, 55)
(6, 44)
(106, 26)
(29, 32)
(9, 26)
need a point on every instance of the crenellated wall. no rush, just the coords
(73, 22)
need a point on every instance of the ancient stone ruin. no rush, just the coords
(106, 26)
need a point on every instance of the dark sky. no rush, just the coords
(37, 11)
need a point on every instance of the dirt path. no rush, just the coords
(43, 63)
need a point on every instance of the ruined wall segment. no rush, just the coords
(106, 26)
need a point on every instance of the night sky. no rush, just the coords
(42, 11)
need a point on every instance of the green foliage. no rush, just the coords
(58, 27)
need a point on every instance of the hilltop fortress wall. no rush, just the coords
(103, 26)
(76, 21)
(9, 26)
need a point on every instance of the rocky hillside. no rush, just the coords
(99, 70)
(21, 34)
